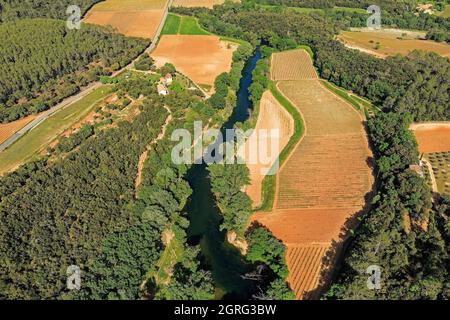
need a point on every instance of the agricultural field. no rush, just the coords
(197, 3)
(271, 116)
(36, 140)
(322, 185)
(135, 18)
(176, 24)
(384, 43)
(200, 57)
(8, 129)
(434, 144)
(290, 65)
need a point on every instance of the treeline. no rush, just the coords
(398, 14)
(35, 75)
(402, 234)
(55, 9)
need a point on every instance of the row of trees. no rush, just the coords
(35, 75)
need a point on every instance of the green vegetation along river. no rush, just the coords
(225, 261)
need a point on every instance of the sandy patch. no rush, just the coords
(197, 3)
(200, 57)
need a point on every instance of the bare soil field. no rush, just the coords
(200, 57)
(135, 18)
(432, 137)
(271, 116)
(292, 65)
(321, 188)
(390, 43)
(8, 129)
(197, 3)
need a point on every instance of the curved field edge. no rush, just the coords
(269, 182)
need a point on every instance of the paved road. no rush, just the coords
(83, 93)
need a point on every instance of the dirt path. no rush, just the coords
(144, 156)
(434, 186)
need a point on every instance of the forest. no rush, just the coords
(35, 76)
(20, 9)
(415, 261)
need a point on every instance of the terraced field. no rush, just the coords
(292, 65)
(322, 185)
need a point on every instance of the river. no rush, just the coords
(225, 261)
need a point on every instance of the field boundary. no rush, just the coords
(270, 183)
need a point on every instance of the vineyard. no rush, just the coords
(271, 116)
(323, 183)
(292, 65)
(131, 18)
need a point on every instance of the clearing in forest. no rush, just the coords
(434, 144)
(134, 18)
(292, 65)
(383, 43)
(271, 116)
(200, 57)
(8, 129)
(322, 185)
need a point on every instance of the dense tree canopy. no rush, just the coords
(35, 75)
(55, 9)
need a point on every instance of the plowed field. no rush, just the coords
(200, 57)
(135, 18)
(292, 65)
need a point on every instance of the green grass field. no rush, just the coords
(32, 143)
(183, 25)
(172, 24)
